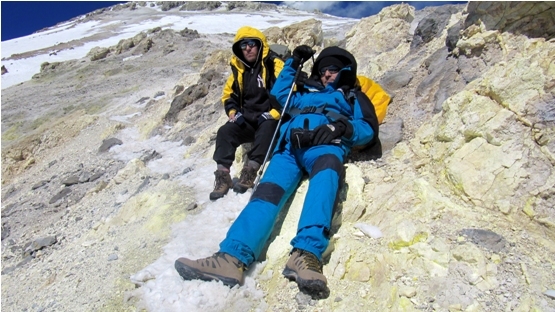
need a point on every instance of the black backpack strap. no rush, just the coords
(270, 69)
(374, 147)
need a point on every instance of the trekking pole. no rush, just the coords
(270, 150)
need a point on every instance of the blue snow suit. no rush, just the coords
(323, 163)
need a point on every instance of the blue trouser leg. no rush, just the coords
(324, 163)
(252, 228)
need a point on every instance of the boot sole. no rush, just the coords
(317, 289)
(216, 196)
(237, 188)
(188, 273)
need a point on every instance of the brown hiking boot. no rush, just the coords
(246, 180)
(305, 268)
(218, 267)
(222, 184)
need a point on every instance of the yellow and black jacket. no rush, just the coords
(248, 86)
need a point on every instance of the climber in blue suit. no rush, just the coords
(322, 127)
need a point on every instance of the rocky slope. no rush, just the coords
(463, 197)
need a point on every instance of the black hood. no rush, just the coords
(345, 56)
(345, 78)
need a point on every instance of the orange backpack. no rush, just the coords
(376, 94)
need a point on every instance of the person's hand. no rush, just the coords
(265, 116)
(303, 77)
(324, 134)
(302, 53)
(237, 118)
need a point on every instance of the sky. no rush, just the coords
(22, 18)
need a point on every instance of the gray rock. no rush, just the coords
(200, 5)
(189, 34)
(485, 238)
(550, 293)
(5, 230)
(143, 185)
(39, 244)
(71, 180)
(60, 195)
(84, 177)
(142, 100)
(395, 80)
(188, 96)
(188, 140)
(453, 35)
(391, 133)
(514, 17)
(106, 144)
(95, 176)
(150, 155)
(432, 25)
(39, 184)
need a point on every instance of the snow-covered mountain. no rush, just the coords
(108, 128)
(73, 39)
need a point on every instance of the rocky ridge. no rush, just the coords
(457, 216)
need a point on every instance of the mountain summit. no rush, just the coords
(108, 129)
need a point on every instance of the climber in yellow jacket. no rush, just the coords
(246, 100)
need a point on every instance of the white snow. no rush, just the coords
(23, 69)
(370, 230)
(164, 290)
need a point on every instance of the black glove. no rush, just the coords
(265, 116)
(325, 134)
(303, 77)
(239, 119)
(302, 53)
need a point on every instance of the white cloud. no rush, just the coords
(353, 9)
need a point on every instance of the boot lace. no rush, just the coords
(312, 263)
(220, 180)
(240, 265)
(248, 175)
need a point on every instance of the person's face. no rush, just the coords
(250, 50)
(328, 74)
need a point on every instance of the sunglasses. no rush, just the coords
(250, 44)
(332, 69)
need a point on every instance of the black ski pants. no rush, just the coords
(231, 135)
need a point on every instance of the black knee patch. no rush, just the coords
(327, 161)
(269, 192)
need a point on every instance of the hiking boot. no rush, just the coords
(218, 267)
(246, 180)
(222, 184)
(305, 268)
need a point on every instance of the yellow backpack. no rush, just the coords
(376, 94)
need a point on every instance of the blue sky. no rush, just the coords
(22, 18)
